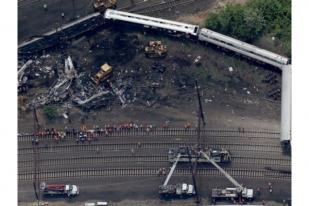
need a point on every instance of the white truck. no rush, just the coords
(232, 193)
(237, 193)
(180, 190)
(100, 203)
(183, 190)
(59, 190)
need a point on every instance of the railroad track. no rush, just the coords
(128, 161)
(142, 141)
(96, 173)
(23, 3)
(49, 153)
(167, 4)
(173, 132)
(147, 145)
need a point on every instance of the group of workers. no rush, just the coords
(84, 134)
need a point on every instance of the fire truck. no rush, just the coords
(59, 190)
(180, 190)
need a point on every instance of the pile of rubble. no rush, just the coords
(81, 89)
(107, 77)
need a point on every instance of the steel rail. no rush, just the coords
(176, 131)
(135, 140)
(167, 4)
(144, 159)
(145, 152)
(148, 145)
(96, 173)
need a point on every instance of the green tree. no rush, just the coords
(251, 21)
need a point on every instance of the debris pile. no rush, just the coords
(155, 49)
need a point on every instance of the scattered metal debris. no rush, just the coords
(22, 78)
(197, 60)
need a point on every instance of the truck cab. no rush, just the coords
(185, 189)
(247, 194)
(72, 190)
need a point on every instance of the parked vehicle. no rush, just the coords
(59, 190)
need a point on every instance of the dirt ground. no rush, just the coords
(235, 98)
(199, 17)
(231, 99)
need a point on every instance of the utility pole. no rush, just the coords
(193, 173)
(35, 142)
(193, 166)
(200, 115)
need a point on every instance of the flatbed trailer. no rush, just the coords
(217, 155)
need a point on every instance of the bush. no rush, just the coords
(50, 112)
(250, 21)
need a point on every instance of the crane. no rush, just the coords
(171, 171)
(178, 190)
(238, 192)
(229, 177)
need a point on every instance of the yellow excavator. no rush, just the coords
(104, 72)
(102, 5)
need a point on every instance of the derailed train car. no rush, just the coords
(152, 22)
(242, 47)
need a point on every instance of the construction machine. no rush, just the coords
(59, 190)
(102, 5)
(155, 49)
(180, 190)
(104, 72)
(238, 193)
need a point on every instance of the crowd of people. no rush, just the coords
(85, 134)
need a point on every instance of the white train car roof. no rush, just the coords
(244, 45)
(152, 21)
